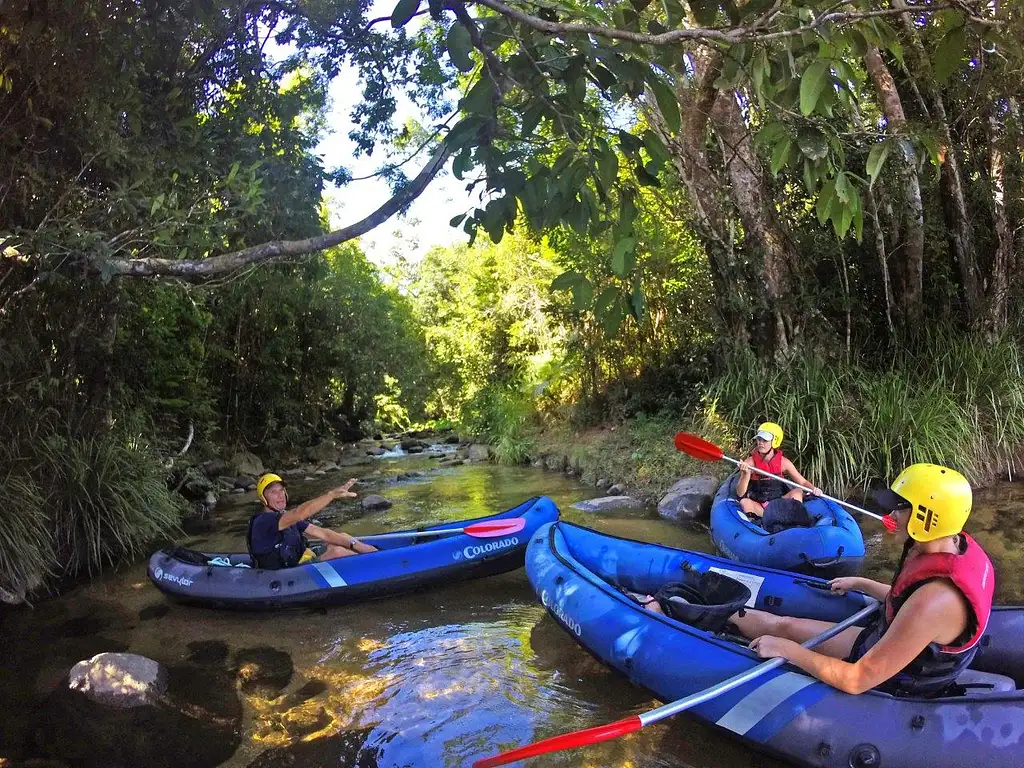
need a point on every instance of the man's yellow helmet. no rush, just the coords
(267, 479)
(770, 431)
(940, 499)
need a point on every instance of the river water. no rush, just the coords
(435, 678)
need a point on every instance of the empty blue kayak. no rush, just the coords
(401, 565)
(576, 572)
(832, 546)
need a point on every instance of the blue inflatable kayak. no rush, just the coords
(576, 573)
(832, 546)
(401, 565)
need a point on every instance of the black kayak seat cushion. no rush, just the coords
(784, 513)
(703, 600)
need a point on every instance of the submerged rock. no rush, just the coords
(375, 501)
(605, 503)
(689, 499)
(121, 680)
(479, 452)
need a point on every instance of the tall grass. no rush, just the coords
(503, 415)
(952, 400)
(74, 504)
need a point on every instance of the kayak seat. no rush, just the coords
(985, 682)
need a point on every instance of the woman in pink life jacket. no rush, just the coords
(755, 490)
(935, 610)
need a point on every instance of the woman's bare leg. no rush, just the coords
(753, 624)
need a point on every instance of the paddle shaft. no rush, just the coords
(634, 723)
(478, 531)
(847, 504)
(725, 686)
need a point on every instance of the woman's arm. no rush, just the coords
(789, 469)
(743, 484)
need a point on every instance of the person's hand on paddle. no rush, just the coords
(745, 467)
(844, 584)
(770, 647)
(815, 491)
(343, 492)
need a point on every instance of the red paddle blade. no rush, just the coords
(565, 741)
(889, 523)
(494, 528)
(697, 447)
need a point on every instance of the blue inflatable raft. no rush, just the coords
(576, 573)
(401, 565)
(832, 546)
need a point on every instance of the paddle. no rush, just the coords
(636, 722)
(489, 529)
(700, 448)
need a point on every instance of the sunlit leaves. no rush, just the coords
(876, 159)
(813, 82)
(950, 53)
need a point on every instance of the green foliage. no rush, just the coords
(81, 504)
(952, 400)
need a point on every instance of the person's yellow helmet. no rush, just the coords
(940, 500)
(261, 485)
(770, 431)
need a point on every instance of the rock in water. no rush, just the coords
(121, 680)
(605, 503)
(689, 499)
(375, 501)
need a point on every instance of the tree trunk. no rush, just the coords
(764, 237)
(1002, 259)
(910, 268)
(954, 200)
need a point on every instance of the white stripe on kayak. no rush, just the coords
(756, 705)
(330, 575)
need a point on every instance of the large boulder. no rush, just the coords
(245, 462)
(606, 503)
(375, 501)
(121, 680)
(410, 443)
(689, 499)
(479, 452)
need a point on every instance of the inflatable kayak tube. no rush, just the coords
(401, 565)
(832, 546)
(576, 573)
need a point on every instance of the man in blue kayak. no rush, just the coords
(276, 537)
(935, 611)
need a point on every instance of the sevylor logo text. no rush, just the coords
(476, 550)
(160, 574)
(560, 613)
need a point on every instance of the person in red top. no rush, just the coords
(935, 611)
(754, 490)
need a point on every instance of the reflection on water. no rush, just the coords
(429, 679)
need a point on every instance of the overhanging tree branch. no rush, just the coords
(278, 249)
(730, 35)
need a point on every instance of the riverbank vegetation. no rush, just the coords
(691, 213)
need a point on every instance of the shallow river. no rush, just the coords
(434, 678)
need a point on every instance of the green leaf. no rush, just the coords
(565, 281)
(459, 45)
(704, 11)
(605, 301)
(949, 53)
(876, 159)
(622, 248)
(823, 209)
(232, 172)
(479, 97)
(655, 147)
(456, 220)
(638, 302)
(780, 155)
(813, 82)
(613, 318)
(812, 143)
(158, 201)
(771, 134)
(582, 294)
(668, 104)
(404, 11)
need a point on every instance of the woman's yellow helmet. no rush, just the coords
(770, 431)
(940, 499)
